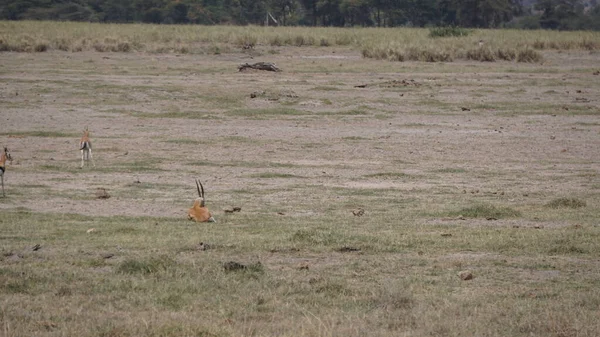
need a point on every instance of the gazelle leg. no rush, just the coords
(2, 178)
(90, 156)
(82, 159)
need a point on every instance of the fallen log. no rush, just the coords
(259, 66)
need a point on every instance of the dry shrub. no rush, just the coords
(40, 47)
(123, 47)
(589, 44)
(343, 40)
(99, 47)
(62, 44)
(246, 41)
(428, 55)
(4, 46)
(110, 45)
(507, 54)
(182, 50)
(395, 55)
(300, 40)
(376, 53)
(276, 41)
(529, 55)
(538, 44)
(324, 42)
(481, 54)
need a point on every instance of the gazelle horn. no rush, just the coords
(199, 186)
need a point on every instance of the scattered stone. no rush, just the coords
(465, 109)
(234, 209)
(446, 234)
(465, 275)
(101, 193)
(90, 230)
(538, 227)
(358, 212)
(284, 250)
(257, 94)
(303, 266)
(107, 255)
(280, 213)
(491, 218)
(233, 266)
(347, 249)
(36, 247)
(203, 246)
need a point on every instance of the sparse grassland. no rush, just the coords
(365, 186)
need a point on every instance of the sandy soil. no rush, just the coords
(522, 133)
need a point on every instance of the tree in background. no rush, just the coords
(556, 14)
(549, 14)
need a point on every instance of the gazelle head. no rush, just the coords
(7, 154)
(199, 212)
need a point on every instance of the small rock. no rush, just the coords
(36, 247)
(347, 249)
(358, 212)
(101, 193)
(303, 266)
(465, 275)
(233, 266)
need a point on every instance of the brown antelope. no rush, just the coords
(199, 212)
(3, 157)
(85, 145)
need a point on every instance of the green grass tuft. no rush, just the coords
(566, 203)
(145, 266)
(488, 211)
(448, 32)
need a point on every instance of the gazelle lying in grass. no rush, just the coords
(199, 212)
(85, 145)
(3, 157)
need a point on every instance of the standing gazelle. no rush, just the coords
(85, 145)
(199, 212)
(3, 157)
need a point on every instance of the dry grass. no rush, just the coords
(456, 167)
(380, 43)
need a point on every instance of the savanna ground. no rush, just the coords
(488, 168)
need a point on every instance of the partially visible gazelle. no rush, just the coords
(3, 158)
(85, 145)
(199, 212)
